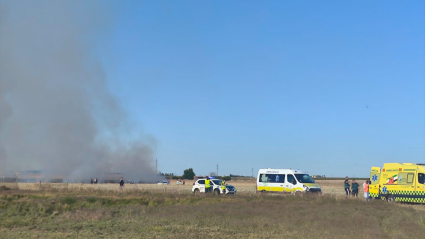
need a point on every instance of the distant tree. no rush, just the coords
(188, 173)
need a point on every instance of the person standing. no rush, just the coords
(223, 186)
(366, 190)
(347, 187)
(355, 189)
(207, 185)
(121, 184)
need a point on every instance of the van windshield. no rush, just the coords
(304, 178)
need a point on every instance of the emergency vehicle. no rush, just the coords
(199, 187)
(285, 181)
(399, 182)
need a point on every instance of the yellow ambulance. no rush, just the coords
(285, 181)
(399, 182)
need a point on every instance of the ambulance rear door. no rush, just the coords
(375, 174)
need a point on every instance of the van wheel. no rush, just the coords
(263, 191)
(196, 191)
(390, 199)
(217, 192)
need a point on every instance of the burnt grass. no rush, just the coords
(153, 215)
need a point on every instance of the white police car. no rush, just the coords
(215, 184)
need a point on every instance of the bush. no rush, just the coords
(69, 200)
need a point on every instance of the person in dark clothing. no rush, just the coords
(347, 186)
(355, 189)
(121, 183)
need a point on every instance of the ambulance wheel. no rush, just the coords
(217, 192)
(263, 191)
(390, 199)
(196, 191)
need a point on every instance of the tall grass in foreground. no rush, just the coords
(162, 215)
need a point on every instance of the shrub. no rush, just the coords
(69, 200)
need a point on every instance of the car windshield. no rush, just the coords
(217, 181)
(304, 178)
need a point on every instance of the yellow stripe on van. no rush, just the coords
(277, 189)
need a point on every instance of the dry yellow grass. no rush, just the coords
(329, 187)
(99, 211)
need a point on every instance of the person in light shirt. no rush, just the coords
(366, 190)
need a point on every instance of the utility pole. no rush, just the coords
(217, 169)
(156, 165)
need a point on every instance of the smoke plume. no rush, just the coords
(56, 113)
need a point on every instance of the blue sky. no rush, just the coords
(331, 87)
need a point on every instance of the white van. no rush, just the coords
(285, 180)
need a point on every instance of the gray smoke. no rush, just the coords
(56, 113)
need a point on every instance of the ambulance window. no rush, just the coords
(271, 178)
(410, 177)
(263, 178)
(290, 178)
(279, 178)
(421, 178)
(402, 178)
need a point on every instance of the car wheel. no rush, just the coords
(390, 199)
(217, 192)
(196, 191)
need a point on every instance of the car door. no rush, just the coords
(201, 186)
(374, 186)
(288, 183)
(279, 181)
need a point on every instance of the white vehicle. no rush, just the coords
(285, 181)
(215, 184)
(164, 182)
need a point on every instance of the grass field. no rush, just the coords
(333, 187)
(171, 211)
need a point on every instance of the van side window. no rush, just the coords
(290, 178)
(421, 178)
(201, 181)
(272, 178)
(263, 178)
(410, 177)
(402, 178)
(277, 178)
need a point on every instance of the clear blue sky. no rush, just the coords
(331, 87)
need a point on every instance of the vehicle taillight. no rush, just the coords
(193, 183)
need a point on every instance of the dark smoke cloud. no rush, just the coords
(56, 113)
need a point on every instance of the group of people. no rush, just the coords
(180, 182)
(93, 180)
(208, 185)
(355, 188)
